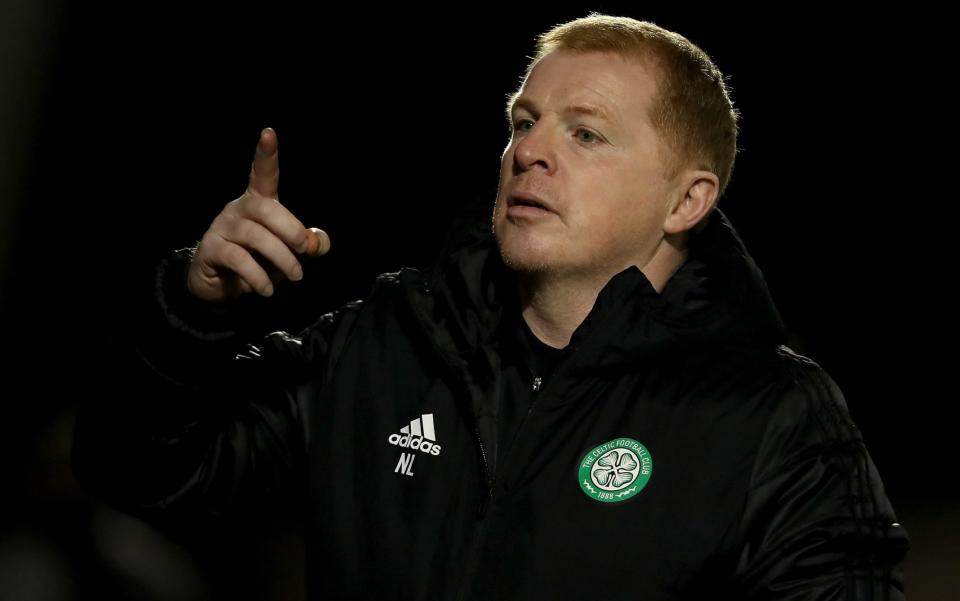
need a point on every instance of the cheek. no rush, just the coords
(505, 161)
(506, 158)
(622, 219)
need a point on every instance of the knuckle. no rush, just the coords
(237, 204)
(244, 231)
(260, 208)
(223, 222)
(208, 243)
(234, 255)
(227, 222)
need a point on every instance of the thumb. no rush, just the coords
(318, 242)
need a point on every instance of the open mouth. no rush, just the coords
(523, 202)
(528, 202)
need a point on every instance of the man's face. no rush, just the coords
(582, 186)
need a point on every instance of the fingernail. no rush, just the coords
(268, 290)
(297, 273)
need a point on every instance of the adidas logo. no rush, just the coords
(418, 435)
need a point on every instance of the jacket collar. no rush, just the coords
(717, 297)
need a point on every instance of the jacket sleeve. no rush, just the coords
(186, 414)
(817, 523)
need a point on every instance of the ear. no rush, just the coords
(695, 197)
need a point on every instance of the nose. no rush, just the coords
(535, 150)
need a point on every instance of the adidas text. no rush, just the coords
(414, 442)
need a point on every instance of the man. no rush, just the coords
(589, 402)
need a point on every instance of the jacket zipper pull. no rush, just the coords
(485, 503)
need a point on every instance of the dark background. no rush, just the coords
(125, 131)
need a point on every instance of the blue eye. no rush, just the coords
(585, 135)
(523, 125)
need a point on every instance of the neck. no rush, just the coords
(554, 305)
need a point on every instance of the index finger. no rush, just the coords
(265, 170)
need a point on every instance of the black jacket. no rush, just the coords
(678, 450)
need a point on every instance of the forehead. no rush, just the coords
(621, 87)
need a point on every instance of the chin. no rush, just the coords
(524, 256)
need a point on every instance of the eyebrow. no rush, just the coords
(590, 110)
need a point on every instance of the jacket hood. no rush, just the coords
(717, 297)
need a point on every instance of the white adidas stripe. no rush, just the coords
(428, 432)
(422, 426)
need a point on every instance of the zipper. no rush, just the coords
(473, 559)
(491, 479)
(480, 530)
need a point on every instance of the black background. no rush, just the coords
(127, 130)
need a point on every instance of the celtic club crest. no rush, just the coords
(615, 471)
